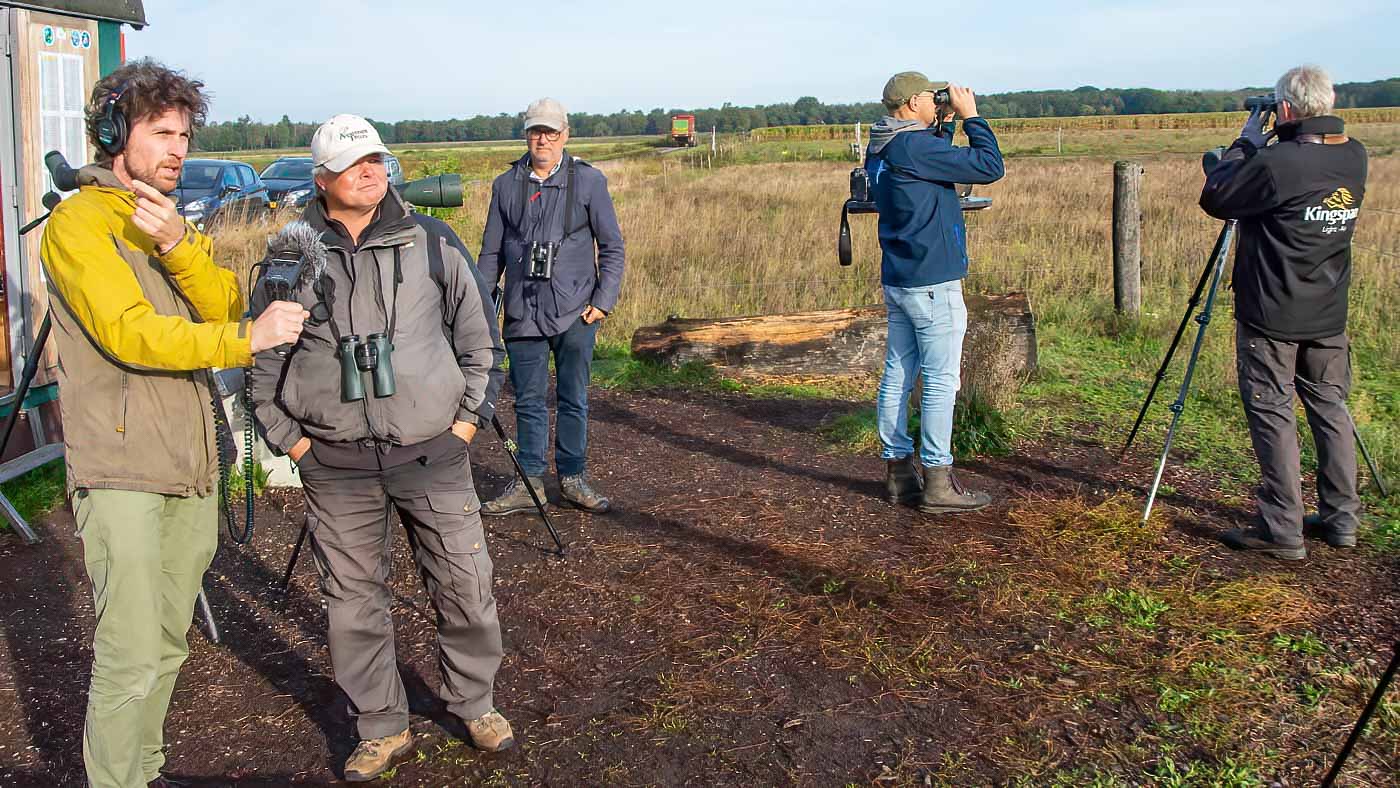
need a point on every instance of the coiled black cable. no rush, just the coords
(239, 532)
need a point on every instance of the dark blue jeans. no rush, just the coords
(529, 376)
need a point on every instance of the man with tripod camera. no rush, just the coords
(913, 166)
(1296, 202)
(551, 232)
(377, 405)
(140, 313)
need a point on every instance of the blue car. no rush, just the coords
(210, 188)
(290, 185)
(289, 182)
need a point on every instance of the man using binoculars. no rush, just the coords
(548, 213)
(377, 404)
(1296, 202)
(913, 166)
(140, 312)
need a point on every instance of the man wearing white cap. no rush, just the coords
(551, 232)
(392, 434)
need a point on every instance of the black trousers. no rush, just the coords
(1318, 371)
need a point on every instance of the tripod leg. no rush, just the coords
(208, 615)
(1177, 407)
(31, 368)
(1360, 728)
(1220, 245)
(519, 471)
(1370, 463)
(292, 564)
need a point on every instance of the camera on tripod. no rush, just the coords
(373, 355)
(863, 201)
(541, 260)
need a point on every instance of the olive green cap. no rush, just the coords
(906, 85)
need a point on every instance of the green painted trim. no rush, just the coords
(109, 47)
(37, 396)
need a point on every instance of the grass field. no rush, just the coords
(731, 240)
(1218, 656)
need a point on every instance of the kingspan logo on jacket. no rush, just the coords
(1335, 211)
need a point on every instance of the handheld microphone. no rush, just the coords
(65, 178)
(295, 256)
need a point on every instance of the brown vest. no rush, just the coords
(124, 427)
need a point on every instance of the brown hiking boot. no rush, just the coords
(373, 757)
(903, 482)
(516, 498)
(491, 732)
(1315, 528)
(579, 493)
(944, 493)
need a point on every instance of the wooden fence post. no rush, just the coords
(1127, 237)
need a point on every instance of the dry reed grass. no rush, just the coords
(1172, 122)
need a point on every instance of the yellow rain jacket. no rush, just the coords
(136, 334)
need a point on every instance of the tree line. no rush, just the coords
(248, 134)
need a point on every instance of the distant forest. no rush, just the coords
(248, 134)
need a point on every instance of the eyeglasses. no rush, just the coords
(547, 135)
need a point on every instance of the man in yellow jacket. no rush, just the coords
(140, 314)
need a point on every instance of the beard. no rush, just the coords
(156, 174)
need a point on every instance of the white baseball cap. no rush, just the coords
(548, 113)
(344, 140)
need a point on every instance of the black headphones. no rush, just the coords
(112, 128)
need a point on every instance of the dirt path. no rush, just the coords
(751, 613)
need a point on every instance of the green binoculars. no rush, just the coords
(434, 191)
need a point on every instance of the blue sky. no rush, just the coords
(396, 60)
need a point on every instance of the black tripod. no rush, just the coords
(1214, 269)
(1366, 714)
(519, 472)
(1209, 284)
(31, 368)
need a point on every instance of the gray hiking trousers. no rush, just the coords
(348, 513)
(1319, 371)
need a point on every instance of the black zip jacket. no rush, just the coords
(1297, 202)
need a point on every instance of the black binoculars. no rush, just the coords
(541, 262)
(372, 355)
(1265, 103)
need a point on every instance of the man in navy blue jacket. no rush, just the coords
(913, 166)
(549, 200)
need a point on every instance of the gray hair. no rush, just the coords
(321, 170)
(1307, 89)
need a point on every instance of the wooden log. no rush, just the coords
(1000, 340)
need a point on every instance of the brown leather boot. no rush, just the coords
(491, 732)
(373, 757)
(943, 493)
(903, 483)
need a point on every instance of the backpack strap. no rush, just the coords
(570, 200)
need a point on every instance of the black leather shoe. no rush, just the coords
(1254, 541)
(1314, 528)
